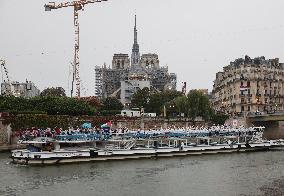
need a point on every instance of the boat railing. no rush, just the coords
(130, 144)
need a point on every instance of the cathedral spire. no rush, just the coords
(135, 32)
(135, 56)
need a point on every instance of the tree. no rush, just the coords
(198, 105)
(111, 103)
(181, 103)
(141, 98)
(49, 105)
(218, 119)
(158, 100)
(92, 101)
(54, 92)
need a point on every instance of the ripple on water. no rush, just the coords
(258, 173)
(274, 188)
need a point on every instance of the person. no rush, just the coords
(181, 146)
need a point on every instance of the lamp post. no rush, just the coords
(142, 118)
(173, 109)
(257, 105)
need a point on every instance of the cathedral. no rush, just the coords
(127, 75)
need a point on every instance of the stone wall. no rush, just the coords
(3, 133)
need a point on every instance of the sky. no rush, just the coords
(194, 38)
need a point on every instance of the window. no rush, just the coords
(248, 83)
(248, 108)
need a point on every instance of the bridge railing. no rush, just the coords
(266, 113)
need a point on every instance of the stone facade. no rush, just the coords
(249, 86)
(129, 87)
(26, 89)
(120, 61)
(109, 80)
(150, 61)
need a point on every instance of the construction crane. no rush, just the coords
(77, 5)
(8, 88)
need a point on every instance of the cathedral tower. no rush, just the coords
(135, 56)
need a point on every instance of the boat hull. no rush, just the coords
(65, 157)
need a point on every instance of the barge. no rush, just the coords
(103, 147)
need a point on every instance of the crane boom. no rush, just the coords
(78, 5)
(8, 88)
(2, 63)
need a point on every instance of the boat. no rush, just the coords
(78, 146)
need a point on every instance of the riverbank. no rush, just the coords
(8, 148)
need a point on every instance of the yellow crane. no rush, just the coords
(77, 5)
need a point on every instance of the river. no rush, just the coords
(256, 173)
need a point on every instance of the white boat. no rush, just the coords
(46, 151)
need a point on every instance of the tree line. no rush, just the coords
(174, 104)
(50, 105)
(170, 103)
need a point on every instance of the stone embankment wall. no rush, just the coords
(3, 133)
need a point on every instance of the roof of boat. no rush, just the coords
(38, 140)
(205, 138)
(230, 136)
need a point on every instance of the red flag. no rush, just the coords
(109, 123)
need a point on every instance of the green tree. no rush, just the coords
(218, 119)
(111, 103)
(181, 103)
(49, 105)
(54, 92)
(198, 105)
(158, 100)
(141, 98)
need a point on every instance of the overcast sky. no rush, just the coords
(194, 38)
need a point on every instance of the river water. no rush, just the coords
(255, 173)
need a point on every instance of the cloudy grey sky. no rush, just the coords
(195, 38)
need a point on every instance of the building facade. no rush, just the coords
(249, 86)
(113, 81)
(26, 89)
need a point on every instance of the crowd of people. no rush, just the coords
(96, 133)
